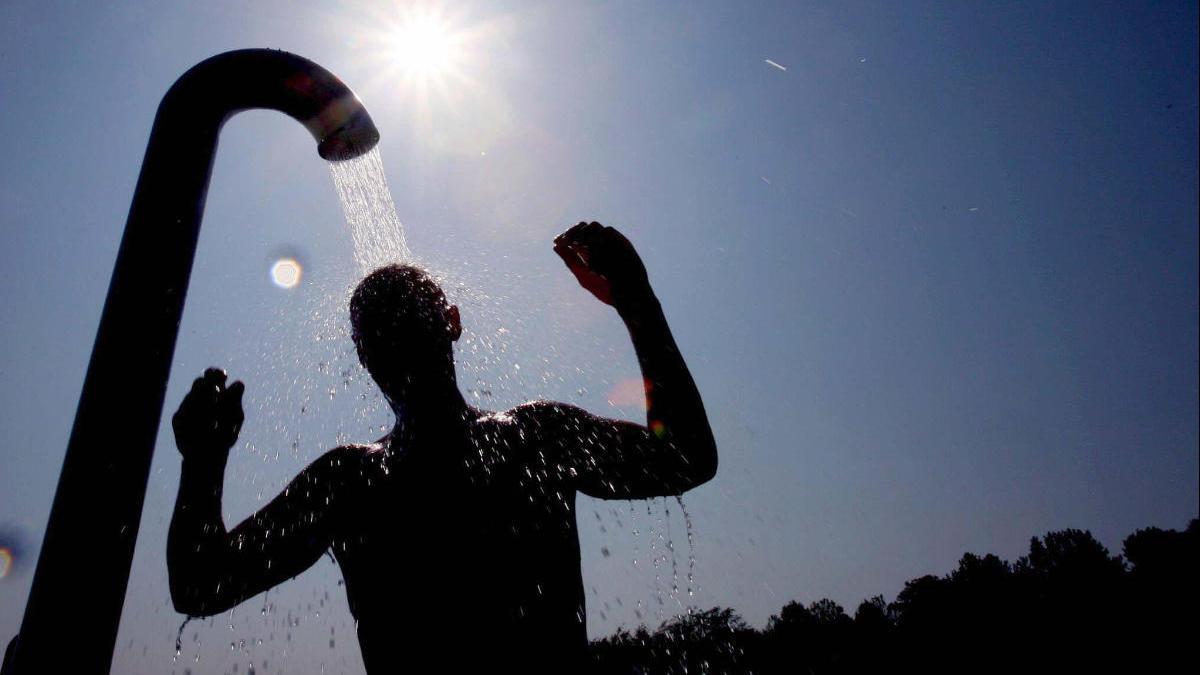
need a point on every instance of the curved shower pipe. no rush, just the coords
(74, 607)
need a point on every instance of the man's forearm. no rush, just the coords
(200, 488)
(673, 404)
(197, 533)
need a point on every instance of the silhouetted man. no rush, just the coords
(456, 532)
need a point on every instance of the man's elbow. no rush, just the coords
(705, 472)
(194, 598)
(700, 468)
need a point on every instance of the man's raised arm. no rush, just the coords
(211, 569)
(675, 450)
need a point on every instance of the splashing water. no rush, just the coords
(310, 388)
(379, 239)
(691, 539)
(370, 212)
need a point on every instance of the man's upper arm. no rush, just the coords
(611, 458)
(294, 529)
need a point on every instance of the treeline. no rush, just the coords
(1068, 606)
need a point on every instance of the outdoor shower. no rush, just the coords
(88, 547)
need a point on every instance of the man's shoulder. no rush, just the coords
(539, 412)
(543, 406)
(349, 462)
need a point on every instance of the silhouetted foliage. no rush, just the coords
(709, 641)
(1067, 606)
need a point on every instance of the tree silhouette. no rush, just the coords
(711, 641)
(1162, 589)
(813, 638)
(1066, 606)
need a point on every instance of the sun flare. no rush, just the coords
(425, 47)
(440, 64)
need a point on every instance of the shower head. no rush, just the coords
(353, 138)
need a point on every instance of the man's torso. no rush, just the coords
(467, 552)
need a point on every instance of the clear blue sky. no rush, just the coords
(937, 280)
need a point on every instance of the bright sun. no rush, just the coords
(424, 47)
(434, 60)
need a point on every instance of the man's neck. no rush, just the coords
(429, 413)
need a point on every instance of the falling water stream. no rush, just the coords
(370, 212)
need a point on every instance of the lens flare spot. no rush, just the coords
(658, 428)
(286, 273)
(631, 391)
(6, 561)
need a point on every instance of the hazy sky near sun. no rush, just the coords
(933, 265)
